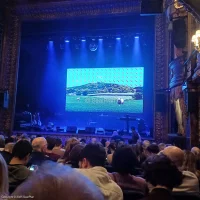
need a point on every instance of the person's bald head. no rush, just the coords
(195, 151)
(39, 144)
(175, 154)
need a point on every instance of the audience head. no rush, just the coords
(103, 142)
(24, 136)
(9, 140)
(189, 163)
(9, 147)
(152, 149)
(124, 160)
(51, 142)
(54, 182)
(4, 176)
(175, 154)
(145, 144)
(161, 146)
(71, 142)
(83, 141)
(115, 133)
(94, 140)
(74, 155)
(159, 170)
(133, 129)
(39, 144)
(112, 147)
(92, 155)
(2, 141)
(195, 151)
(22, 151)
(58, 142)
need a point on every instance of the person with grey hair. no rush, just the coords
(39, 145)
(53, 182)
(190, 181)
(7, 153)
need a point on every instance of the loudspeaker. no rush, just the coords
(161, 102)
(179, 33)
(90, 130)
(71, 129)
(4, 99)
(151, 7)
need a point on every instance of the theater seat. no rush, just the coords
(185, 196)
(132, 195)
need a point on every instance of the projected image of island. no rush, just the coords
(105, 90)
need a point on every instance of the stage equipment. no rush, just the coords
(100, 131)
(71, 129)
(59, 129)
(151, 7)
(127, 119)
(90, 130)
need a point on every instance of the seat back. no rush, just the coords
(132, 195)
(186, 196)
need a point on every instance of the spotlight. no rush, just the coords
(118, 38)
(83, 40)
(136, 37)
(100, 39)
(67, 41)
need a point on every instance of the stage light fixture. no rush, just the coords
(118, 38)
(67, 41)
(83, 40)
(100, 39)
(137, 37)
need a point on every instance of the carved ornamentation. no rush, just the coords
(161, 76)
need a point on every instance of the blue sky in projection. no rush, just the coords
(133, 77)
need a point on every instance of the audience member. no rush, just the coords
(152, 149)
(2, 142)
(9, 140)
(51, 142)
(103, 142)
(39, 145)
(74, 156)
(24, 136)
(161, 146)
(195, 151)
(190, 181)
(92, 161)
(111, 150)
(83, 141)
(7, 153)
(3, 177)
(57, 149)
(57, 182)
(135, 135)
(163, 174)
(124, 161)
(94, 140)
(116, 137)
(17, 170)
(189, 163)
(69, 145)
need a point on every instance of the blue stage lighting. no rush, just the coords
(67, 41)
(118, 38)
(83, 40)
(137, 37)
(100, 39)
